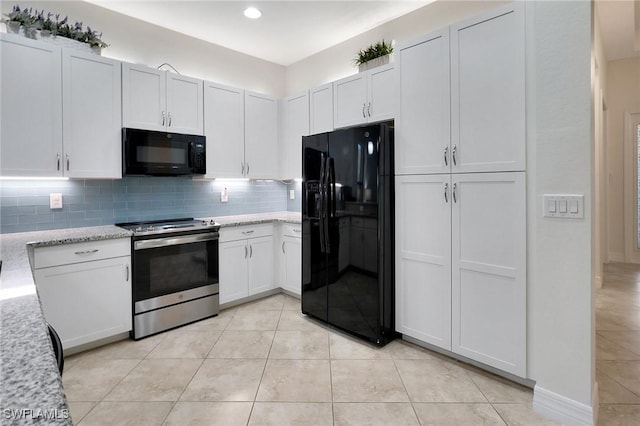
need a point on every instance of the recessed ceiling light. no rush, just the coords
(252, 13)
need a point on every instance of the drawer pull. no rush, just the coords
(127, 279)
(296, 230)
(87, 252)
(247, 232)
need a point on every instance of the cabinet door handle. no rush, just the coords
(127, 270)
(67, 162)
(247, 232)
(169, 119)
(453, 155)
(446, 193)
(163, 118)
(247, 169)
(283, 247)
(446, 155)
(363, 114)
(242, 165)
(455, 186)
(245, 252)
(296, 230)
(58, 157)
(87, 252)
(250, 250)
(369, 109)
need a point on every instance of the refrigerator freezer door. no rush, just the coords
(314, 259)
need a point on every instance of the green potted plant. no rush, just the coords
(375, 55)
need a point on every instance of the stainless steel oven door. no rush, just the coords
(172, 264)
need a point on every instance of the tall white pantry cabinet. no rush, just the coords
(460, 189)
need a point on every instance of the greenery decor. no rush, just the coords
(32, 20)
(374, 51)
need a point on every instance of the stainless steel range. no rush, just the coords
(175, 273)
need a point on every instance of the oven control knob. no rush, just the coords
(138, 229)
(204, 222)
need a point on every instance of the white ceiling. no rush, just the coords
(620, 27)
(287, 32)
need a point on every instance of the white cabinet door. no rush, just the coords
(31, 108)
(143, 97)
(350, 101)
(423, 258)
(488, 91)
(224, 130)
(233, 257)
(260, 264)
(87, 301)
(261, 136)
(292, 248)
(184, 104)
(489, 278)
(92, 122)
(382, 93)
(423, 124)
(321, 109)
(295, 126)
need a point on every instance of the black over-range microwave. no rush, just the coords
(147, 152)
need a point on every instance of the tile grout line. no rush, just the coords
(264, 369)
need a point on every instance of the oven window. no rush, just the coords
(161, 155)
(165, 270)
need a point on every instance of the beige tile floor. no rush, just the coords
(264, 363)
(618, 345)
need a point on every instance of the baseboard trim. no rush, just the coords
(598, 281)
(562, 409)
(616, 257)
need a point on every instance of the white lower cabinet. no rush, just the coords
(246, 261)
(423, 258)
(85, 289)
(461, 265)
(291, 254)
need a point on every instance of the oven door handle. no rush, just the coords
(172, 241)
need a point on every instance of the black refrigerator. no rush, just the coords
(347, 230)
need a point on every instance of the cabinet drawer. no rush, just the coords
(65, 254)
(243, 232)
(292, 230)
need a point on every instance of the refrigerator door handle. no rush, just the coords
(321, 213)
(329, 208)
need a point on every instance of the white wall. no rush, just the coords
(132, 40)
(338, 61)
(559, 157)
(623, 95)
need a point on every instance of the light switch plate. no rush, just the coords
(224, 196)
(568, 206)
(55, 201)
(292, 194)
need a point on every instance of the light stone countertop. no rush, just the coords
(252, 219)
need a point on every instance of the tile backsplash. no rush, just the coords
(24, 204)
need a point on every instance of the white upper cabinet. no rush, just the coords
(295, 125)
(63, 108)
(365, 97)
(92, 122)
(158, 100)
(224, 130)
(489, 309)
(423, 121)
(261, 136)
(184, 104)
(488, 91)
(31, 120)
(321, 109)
